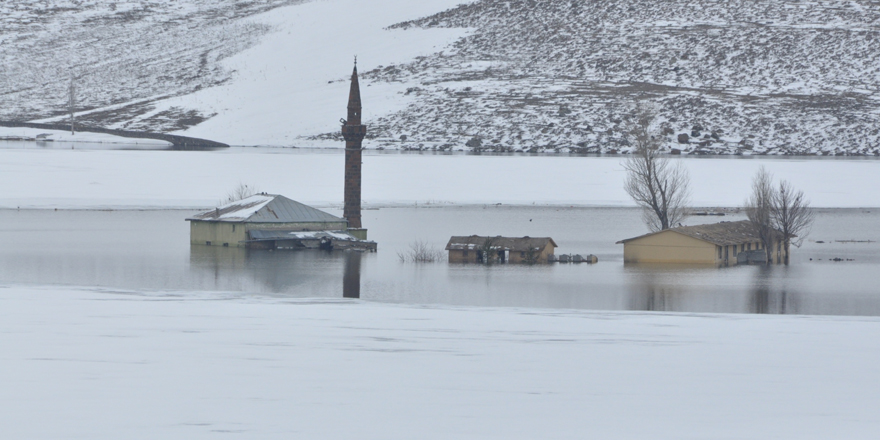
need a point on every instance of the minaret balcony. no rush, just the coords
(354, 132)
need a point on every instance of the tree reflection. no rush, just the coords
(763, 298)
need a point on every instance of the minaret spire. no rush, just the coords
(353, 132)
(354, 98)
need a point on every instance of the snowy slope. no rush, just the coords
(735, 77)
(123, 55)
(743, 76)
(31, 134)
(79, 363)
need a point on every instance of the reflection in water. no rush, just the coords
(648, 294)
(658, 287)
(351, 279)
(151, 250)
(764, 297)
(308, 272)
(271, 271)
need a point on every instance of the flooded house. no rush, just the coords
(272, 221)
(717, 243)
(479, 249)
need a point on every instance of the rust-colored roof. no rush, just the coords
(721, 234)
(515, 244)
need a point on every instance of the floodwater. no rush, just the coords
(150, 250)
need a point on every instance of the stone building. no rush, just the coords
(717, 244)
(477, 249)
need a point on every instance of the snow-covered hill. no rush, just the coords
(733, 76)
(122, 55)
(737, 77)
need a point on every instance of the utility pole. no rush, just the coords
(71, 103)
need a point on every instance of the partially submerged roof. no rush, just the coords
(274, 235)
(267, 208)
(516, 244)
(720, 234)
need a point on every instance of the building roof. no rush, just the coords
(274, 234)
(720, 234)
(516, 244)
(266, 208)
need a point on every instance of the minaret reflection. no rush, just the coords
(351, 279)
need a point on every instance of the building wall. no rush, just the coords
(234, 234)
(457, 256)
(217, 233)
(520, 257)
(670, 247)
(470, 256)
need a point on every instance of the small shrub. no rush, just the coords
(420, 252)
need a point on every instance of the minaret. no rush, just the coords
(354, 133)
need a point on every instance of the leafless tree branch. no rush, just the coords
(660, 188)
(791, 216)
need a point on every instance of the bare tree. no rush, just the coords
(241, 191)
(759, 208)
(489, 251)
(420, 252)
(660, 188)
(790, 214)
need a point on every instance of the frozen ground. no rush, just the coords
(37, 178)
(96, 364)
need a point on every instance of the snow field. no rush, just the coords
(79, 363)
(182, 179)
(80, 136)
(295, 81)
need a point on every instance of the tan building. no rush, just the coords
(477, 249)
(717, 243)
(259, 218)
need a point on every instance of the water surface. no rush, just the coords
(151, 250)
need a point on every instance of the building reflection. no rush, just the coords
(764, 297)
(309, 273)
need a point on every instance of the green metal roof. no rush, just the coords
(267, 208)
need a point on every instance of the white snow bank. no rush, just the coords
(111, 365)
(288, 85)
(93, 179)
(79, 136)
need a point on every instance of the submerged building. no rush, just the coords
(718, 243)
(477, 249)
(271, 221)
